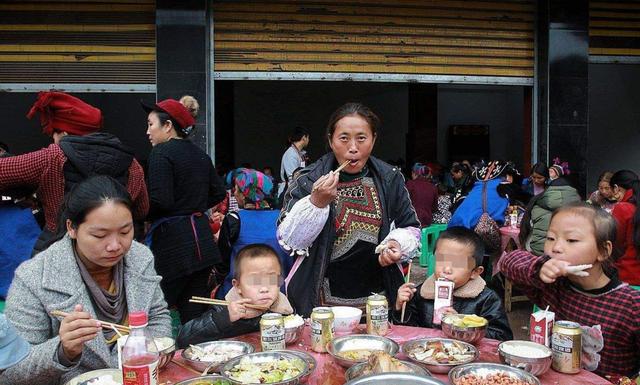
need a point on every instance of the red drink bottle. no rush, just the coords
(139, 354)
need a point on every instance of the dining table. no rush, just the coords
(329, 372)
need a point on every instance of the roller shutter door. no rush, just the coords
(614, 28)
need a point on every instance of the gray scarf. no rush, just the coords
(108, 307)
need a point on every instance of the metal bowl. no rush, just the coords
(411, 345)
(359, 342)
(257, 358)
(205, 380)
(310, 361)
(483, 369)
(85, 377)
(292, 335)
(470, 334)
(169, 349)
(535, 366)
(356, 370)
(395, 379)
(187, 354)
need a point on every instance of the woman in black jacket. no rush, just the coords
(183, 184)
(350, 230)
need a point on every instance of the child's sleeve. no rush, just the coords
(214, 325)
(523, 269)
(493, 311)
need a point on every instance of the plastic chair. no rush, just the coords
(429, 237)
(1, 306)
(635, 287)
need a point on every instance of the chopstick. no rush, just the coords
(211, 301)
(343, 165)
(404, 305)
(104, 324)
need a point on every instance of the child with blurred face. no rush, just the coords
(256, 290)
(459, 253)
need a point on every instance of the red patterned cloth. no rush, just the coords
(42, 171)
(616, 310)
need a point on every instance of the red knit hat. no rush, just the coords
(176, 110)
(63, 112)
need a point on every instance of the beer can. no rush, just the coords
(566, 347)
(377, 315)
(272, 332)
(322, 330)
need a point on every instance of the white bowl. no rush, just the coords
(345, 318)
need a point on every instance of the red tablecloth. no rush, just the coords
(328, 372)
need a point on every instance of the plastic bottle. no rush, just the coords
(139, 354)
(513, 218)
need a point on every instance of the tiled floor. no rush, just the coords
(518, 317)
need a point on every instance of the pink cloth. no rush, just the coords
(507, 234)
(328, 372)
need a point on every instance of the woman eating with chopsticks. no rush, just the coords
(72, 300)
(350, 228)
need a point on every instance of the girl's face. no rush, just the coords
(618, 192)
(259, 279)
(552, 174)
(605, 189)
(571, 238)
(105, 236)
(352, 140)
(158, 133)
(537, 179)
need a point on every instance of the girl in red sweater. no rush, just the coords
(626, 190)
(580, 234)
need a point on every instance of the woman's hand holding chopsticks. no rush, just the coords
(325, 189)
(75, 329)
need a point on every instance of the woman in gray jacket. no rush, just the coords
(95, 271)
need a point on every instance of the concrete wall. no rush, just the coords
(265, 113)
(614, 120)
(499, 107)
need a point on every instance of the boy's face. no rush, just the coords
(259, 279)
(454, 261)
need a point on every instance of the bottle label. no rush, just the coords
(140, 374)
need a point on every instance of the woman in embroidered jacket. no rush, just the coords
(94, 271)
(350, 230)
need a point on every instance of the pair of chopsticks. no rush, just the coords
(105, 325)
(579, 270)
(343, 165)
(404, 305)
(211, 301)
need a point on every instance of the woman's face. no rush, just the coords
(158, 133)
(605, 189)
(537, 179)
(105, 236)
(352, 141)
(618, 192)
(553, 174)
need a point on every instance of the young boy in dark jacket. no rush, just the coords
(459, 253)
(257, 281)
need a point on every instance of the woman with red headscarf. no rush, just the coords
(78, 152)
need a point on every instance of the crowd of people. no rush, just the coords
(118, 239)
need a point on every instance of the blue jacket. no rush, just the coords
(20, 231)
(469, 212)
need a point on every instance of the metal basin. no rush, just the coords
(200, 365)
(359, 342)
(483, 369)
(395, 379)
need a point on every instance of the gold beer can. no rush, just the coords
(566, 346)
(322, 331)
(377, 315)
(272, 332)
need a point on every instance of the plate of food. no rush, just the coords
(214, 354)
(381, 362)
(439, 355)
(98, 377)
(275, 367)
(206, 380)
(354, 349)
(482, 373)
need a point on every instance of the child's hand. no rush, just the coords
(237, 310)
(405, 293)
(449, 310)
(553, 269)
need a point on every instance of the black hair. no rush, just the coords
(467, 237)
(86, 196)
(350, 109)
(297, 134)
(628, 179)
(254, 251)
(4, 146)
(164, 117)
(459, 166)
(540, 168)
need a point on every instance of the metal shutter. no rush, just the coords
(614, 28)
